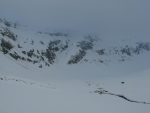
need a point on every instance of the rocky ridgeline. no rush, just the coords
(9, 45)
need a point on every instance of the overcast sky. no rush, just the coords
(103, 16)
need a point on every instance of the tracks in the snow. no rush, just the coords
(25, 82)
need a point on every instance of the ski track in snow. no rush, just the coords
(25, 82)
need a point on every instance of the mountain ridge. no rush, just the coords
(53, 53)
(46, 48)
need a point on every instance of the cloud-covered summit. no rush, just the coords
(125, 17)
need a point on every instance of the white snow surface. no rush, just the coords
(62, 88)
(74, 96)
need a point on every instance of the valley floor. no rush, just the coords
(75, 96)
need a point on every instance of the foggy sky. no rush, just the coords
(102, 16)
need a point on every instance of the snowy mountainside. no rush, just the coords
(44, 53)
(42, 72)
(46, 49)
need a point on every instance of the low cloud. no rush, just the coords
(101, 16)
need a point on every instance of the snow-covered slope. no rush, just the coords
(18, 96)
(42, 72)
(49, 51)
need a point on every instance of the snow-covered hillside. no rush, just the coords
(45, 48)
(42, 72)
(19, 95)
(77, 57)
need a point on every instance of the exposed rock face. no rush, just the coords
(47, 51)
